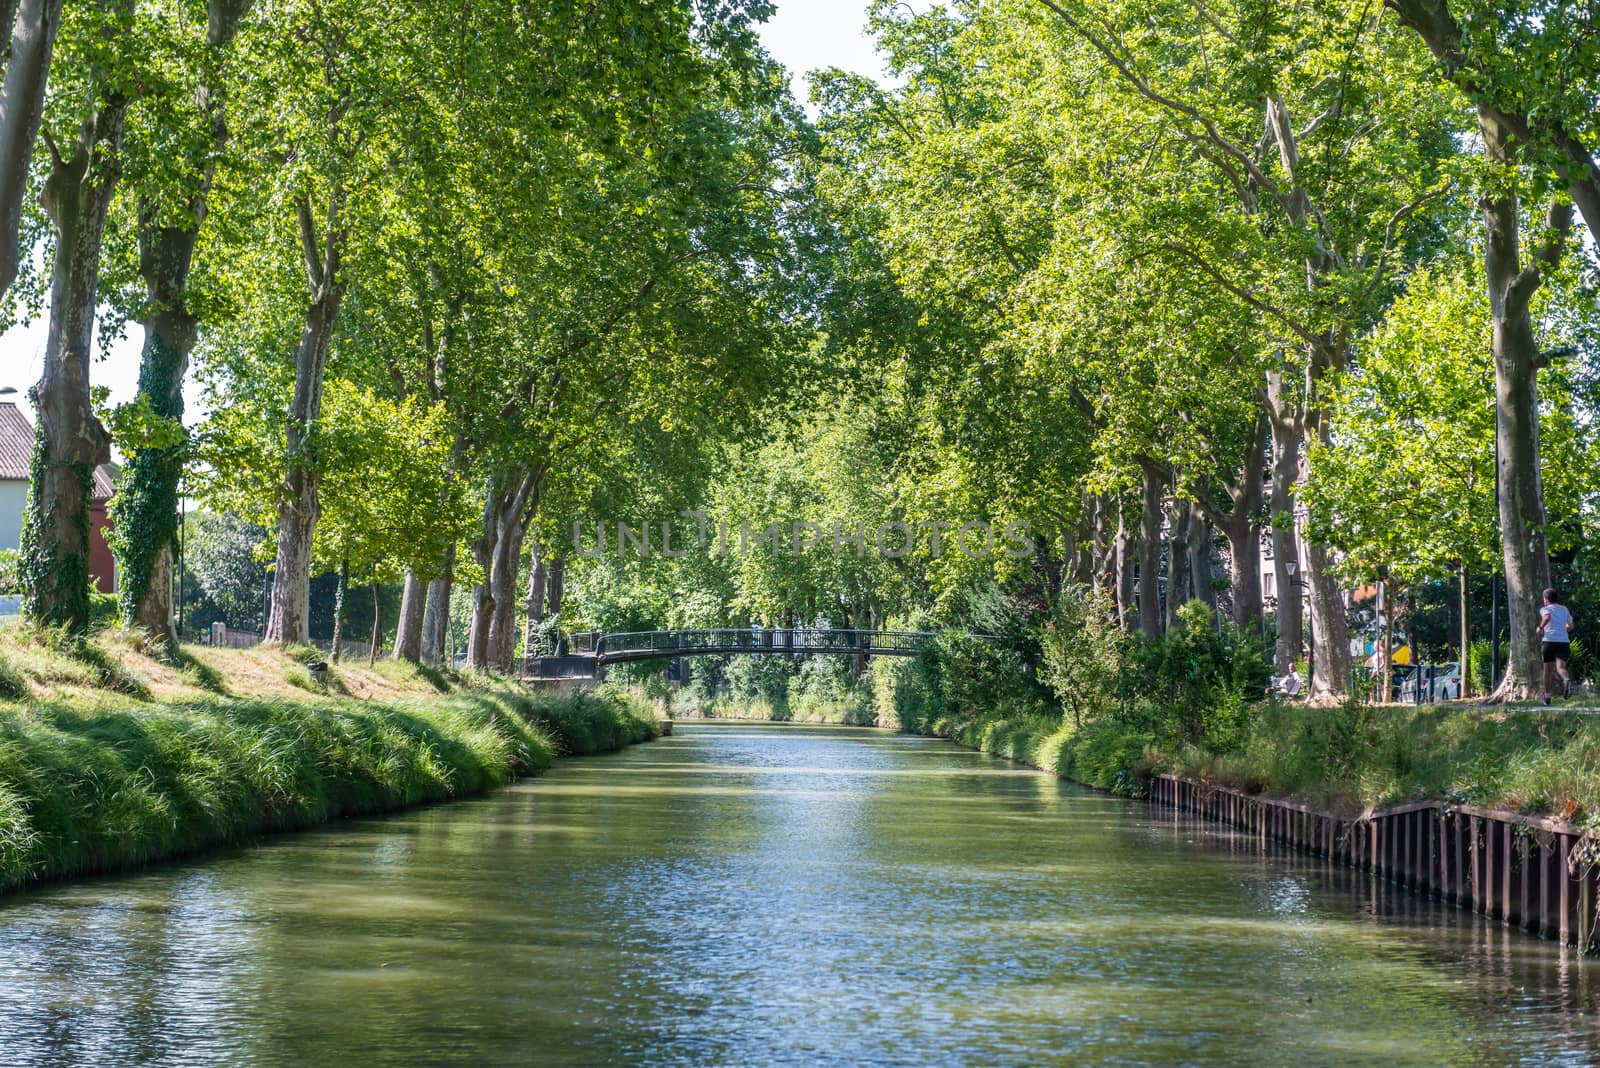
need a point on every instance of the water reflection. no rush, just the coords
(745, 894)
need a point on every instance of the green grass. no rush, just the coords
(1103, 755)
(93, 789)
(1345, 759)
(1525, 760)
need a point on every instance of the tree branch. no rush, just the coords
(1144, 88)
(1296, 327)
(308, 241)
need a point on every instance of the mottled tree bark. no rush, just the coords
(289, 620)
(1200, 564)
(1240, 524)
(497, 548)
(1177, 560)
(1126, 616)
(408, 631)
(377, 624)
(534, 607)
(71, 442)
(337, 650)
(558, 584)
(1517, 359)
(1150, 521)
(436, 618)
(1286, 438)
(33, 26)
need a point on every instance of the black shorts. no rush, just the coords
(1554, 651)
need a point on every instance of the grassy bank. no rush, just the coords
(1346, 760)
(1109, 709)
(110, 759)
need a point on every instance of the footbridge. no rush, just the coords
(588, 654)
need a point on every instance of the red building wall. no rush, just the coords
(102, 566)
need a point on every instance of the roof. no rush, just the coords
(16, 442)
(16, 452)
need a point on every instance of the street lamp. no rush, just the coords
(1291, 566)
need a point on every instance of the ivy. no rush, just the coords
(55, 581)
(145, 509)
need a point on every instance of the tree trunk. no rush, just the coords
(1286, 438)
(502, 585)
(144, 511)
(1200, 536)
(70, 441)
(1329, 627)
(1177, 561)
(1240, 525)
(496, 549)
(1124, 557)
(482, 600)
(1150, 552)
(1330, 624)
(436, 618)
(338, 610)
(534, 606)
(1244, 570)
(1516, 367)
(290, 619)
(1463, 610)
(22, 94)
(377, 624)
(408, 632)
(1388, 637)
(558, 584)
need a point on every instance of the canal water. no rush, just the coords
(743, 894)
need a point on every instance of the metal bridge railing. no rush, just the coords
(639, 644)
(591, 650)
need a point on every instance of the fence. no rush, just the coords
(1527, 872)
(223, 637)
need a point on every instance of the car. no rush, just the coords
(1440, 682)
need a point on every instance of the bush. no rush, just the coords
(759, 678)
(1481, 664)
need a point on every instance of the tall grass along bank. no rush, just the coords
(101, 781)
(1092, 703)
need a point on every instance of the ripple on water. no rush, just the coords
(757, 894)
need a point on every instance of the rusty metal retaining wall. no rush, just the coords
(1527, 872)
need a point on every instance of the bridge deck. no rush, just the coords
(590, 651)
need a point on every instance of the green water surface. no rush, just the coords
(743, 894)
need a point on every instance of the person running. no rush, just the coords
(1555, 635)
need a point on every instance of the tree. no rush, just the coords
(34, 25)
(1405, 491)
(177, 136)
(220, 550)
(77, 192)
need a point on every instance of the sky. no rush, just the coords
(803, 35)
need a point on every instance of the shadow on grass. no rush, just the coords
(112, 675)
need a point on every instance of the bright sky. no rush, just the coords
(804, 35)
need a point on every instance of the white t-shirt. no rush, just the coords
(1560, 622)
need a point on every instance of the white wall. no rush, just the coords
(13, 496)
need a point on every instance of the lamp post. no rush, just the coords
(1293, 566)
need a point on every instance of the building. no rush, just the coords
(16, 452)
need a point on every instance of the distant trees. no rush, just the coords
(1174, 289)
